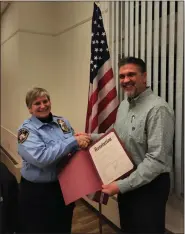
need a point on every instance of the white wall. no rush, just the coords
(38, 65)
(47, 44)
(28, 51)
(9, 75)
(73, 62)
(9, 23)
(38, 17)
(74, 58)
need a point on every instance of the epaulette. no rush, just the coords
(56, 116)
(24, 124)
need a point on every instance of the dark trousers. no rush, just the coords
(8, 200)
(143, 210)
(42, 208)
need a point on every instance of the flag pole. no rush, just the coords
(101, 72)
(100, 218)
(100, 205)
(100, 211)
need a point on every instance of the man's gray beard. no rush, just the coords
(130, 96)
(125, 96)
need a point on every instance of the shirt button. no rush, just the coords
(133, 128)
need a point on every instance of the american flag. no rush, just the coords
(102, 99)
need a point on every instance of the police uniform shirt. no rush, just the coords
(42, 145)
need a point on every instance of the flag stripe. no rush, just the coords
(109, 119)
(110, 96)
(96, 110)
(97, 96)
(99, 118)
(105, 79)
(103, 70)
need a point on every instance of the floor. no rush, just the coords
(86, 221)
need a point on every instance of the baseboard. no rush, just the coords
(105, 219)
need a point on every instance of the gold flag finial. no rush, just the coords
(98, 3)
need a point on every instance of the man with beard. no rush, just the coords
(145, 123)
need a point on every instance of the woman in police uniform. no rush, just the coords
(43, 141)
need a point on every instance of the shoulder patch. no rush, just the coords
(63, 125)
(22, 135)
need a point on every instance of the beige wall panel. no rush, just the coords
(74, 60)
(9, 83)
(38, 67)
(72, 13)
(38, 16)
(9, 22)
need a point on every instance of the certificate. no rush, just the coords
(103, 162)
(110, 158)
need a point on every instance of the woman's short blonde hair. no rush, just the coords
(35, 93)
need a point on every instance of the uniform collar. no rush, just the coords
(38, 124)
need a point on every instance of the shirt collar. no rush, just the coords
(38, 124)
(145, 93)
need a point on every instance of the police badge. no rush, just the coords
(22, 135)
(63, 126)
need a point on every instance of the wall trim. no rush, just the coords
(8, 155)
(9, 144)
(47, 33)
(78, 24)
(10, 163)
(5, 9)
(8, 131)
(28, 32)
(8, 38)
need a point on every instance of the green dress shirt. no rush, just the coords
(146, 126)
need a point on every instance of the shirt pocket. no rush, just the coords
(67, 135)
(48, 140)
(137, 131)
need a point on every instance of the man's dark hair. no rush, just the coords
(137, 61)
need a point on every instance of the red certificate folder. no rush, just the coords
(82, 174)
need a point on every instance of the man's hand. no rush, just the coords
(83, 140)
(110, 189)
